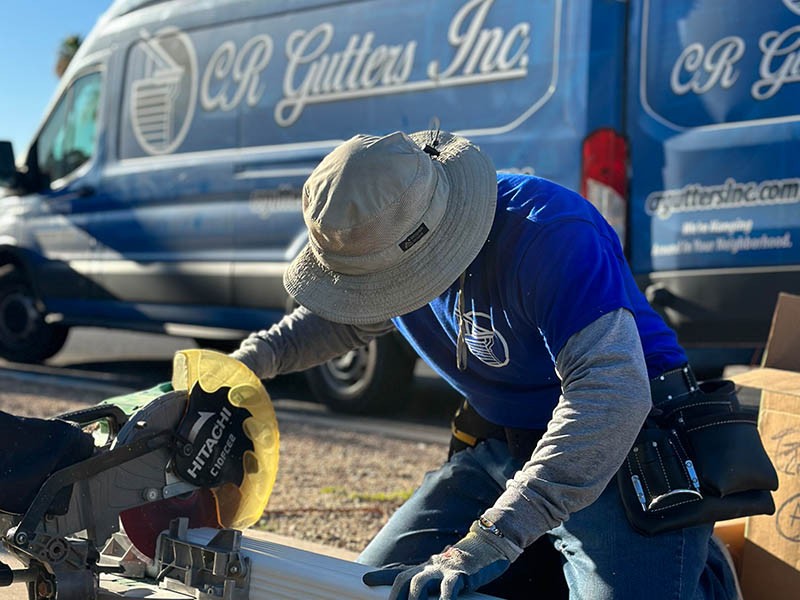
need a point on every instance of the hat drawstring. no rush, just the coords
(430, 147)
(461, 342)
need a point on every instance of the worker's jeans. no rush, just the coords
(602, 556)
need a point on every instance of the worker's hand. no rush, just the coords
(475, 560)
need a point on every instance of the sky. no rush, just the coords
(31, 32)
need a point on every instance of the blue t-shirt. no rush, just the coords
(550, 267)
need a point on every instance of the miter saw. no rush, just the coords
(201, 451)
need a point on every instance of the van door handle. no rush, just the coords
(62, 203)
(84, 190)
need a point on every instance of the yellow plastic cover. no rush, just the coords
(242, 506)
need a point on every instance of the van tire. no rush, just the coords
(373, 380)
(25, 337)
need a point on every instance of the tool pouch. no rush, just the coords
(698, 459)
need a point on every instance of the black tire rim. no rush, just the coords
(350, 374)
(19, 318)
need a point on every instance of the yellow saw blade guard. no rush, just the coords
(240, 506)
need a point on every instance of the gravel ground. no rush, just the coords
(334, 487)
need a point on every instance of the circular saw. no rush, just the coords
(227, 448)
(202, 451)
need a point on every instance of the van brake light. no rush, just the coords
(604, 177)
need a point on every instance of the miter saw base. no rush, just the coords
(181, 570)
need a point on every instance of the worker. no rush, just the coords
(516, 291)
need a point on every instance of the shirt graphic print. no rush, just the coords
(483, 342)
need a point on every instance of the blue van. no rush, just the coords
(162, 190)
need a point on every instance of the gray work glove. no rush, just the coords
(478, 558)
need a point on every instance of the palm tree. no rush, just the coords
(66, 51)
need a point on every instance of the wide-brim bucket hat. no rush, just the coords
(392, 222)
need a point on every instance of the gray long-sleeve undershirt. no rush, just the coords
(605, 399)
(302, 340)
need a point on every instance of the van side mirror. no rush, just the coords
(8, 168)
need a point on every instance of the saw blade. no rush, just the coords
(207, 375)
(215, 399)
(143, 524)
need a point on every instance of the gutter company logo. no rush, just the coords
(484, 343)
(163, 96)
(793, 5)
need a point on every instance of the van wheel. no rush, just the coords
(24, 335)
(372, 380)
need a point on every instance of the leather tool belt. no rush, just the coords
(698, 459)
(468, 428)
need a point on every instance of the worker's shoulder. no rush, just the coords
(539, 202)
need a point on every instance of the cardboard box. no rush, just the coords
(771, 552)
(731, 533)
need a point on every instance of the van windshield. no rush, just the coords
(67, 140)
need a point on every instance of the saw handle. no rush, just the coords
(83, 470)
(115, 415)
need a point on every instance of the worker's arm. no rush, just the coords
(302, 340)
(605, 400)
